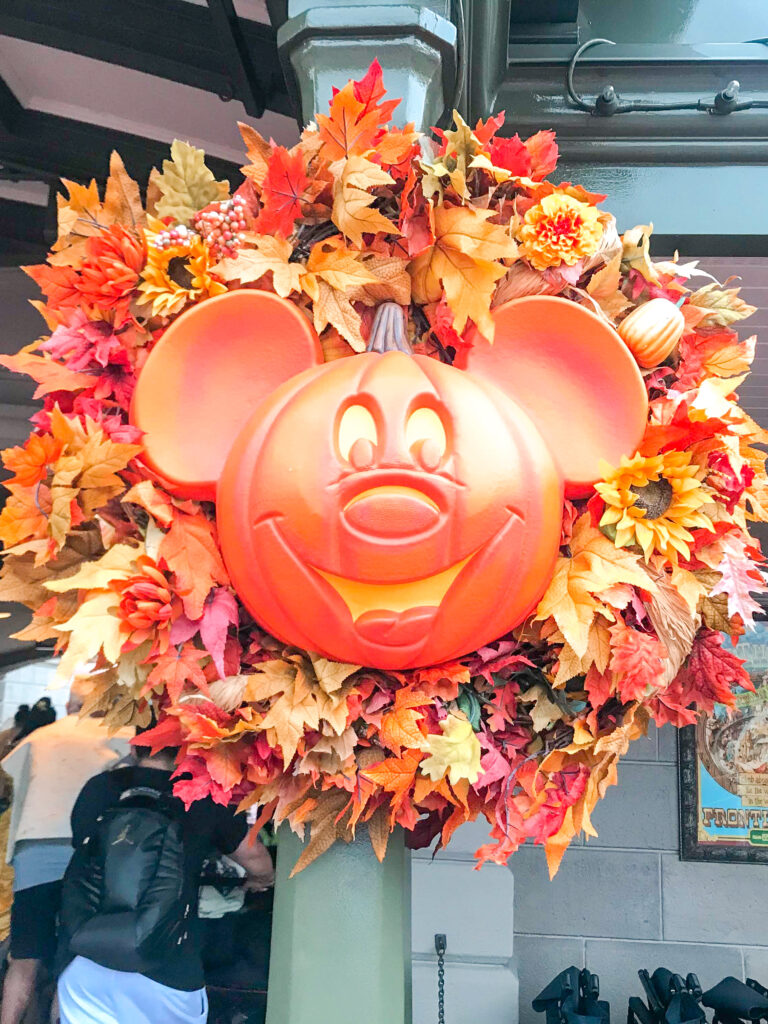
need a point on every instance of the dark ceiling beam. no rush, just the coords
(48, 147)
(169, 38)
(247, 77)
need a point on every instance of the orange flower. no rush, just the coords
(559, 229)
(146, 604)
(110, 272)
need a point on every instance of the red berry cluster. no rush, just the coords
(221, 226)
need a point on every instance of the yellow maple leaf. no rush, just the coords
(80, 216)
(595, 565)
(598, 653)
(457, 752)
(292, 713)
(299, 700)
(331, 675)
(93, 628)
(186, 184)
(116, 564)
(269, 253)
(461, 146)
(392, 284)
(464, 261)
(340, 267)
(353, 212)
(334, 308)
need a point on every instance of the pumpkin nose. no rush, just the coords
(392, 512)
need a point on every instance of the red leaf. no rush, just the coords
(543, 152)
(485, 131)
(512, 155)
(709, 674)
(220, 613)
(199, 786)
(370, 89)
(286, 186)
(167, 733)
(637, 661)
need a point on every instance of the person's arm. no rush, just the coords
(88, 806)
(255, 858)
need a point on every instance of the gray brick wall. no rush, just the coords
(620, 902)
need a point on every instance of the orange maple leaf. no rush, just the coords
(225, 763)
(401, 727)
(351, 128)
(396, 775)
(258, 151)
(637, 661)
(58, 284)
(49, 375)
(177, 667)
(191, 553)
(21, 518)
(29, 463)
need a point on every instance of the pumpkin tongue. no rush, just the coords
(396, 629)
(389, 330)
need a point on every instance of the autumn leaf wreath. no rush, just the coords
(655, 565)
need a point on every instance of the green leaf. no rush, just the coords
(468, 702)
(186, 184)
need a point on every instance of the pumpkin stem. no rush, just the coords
(389, 330)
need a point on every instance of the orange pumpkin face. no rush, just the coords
(391, 511)
(386, 510)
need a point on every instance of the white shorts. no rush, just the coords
(91, 994)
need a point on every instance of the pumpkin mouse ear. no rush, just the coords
(573, 375)
(206, 376)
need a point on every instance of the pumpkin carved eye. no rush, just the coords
(425, 437)
(356, 424)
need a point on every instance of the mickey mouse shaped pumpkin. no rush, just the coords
(386, 509)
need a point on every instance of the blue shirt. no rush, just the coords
(37, 861)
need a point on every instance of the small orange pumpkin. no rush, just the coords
(652, 330)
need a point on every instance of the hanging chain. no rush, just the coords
(440, 947)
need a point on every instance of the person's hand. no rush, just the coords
(259, 883)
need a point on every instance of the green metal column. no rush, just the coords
(341, 935)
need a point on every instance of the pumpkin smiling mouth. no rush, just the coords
(361, 598)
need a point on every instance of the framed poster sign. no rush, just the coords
(723, 763)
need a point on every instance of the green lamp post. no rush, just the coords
(341, 936)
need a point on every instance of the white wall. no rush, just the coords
(27, 683)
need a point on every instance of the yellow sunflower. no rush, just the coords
(177, 269)
(654, 502)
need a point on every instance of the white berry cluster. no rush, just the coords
(221, 226)
(179, 234)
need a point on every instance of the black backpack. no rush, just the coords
(125, 898)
